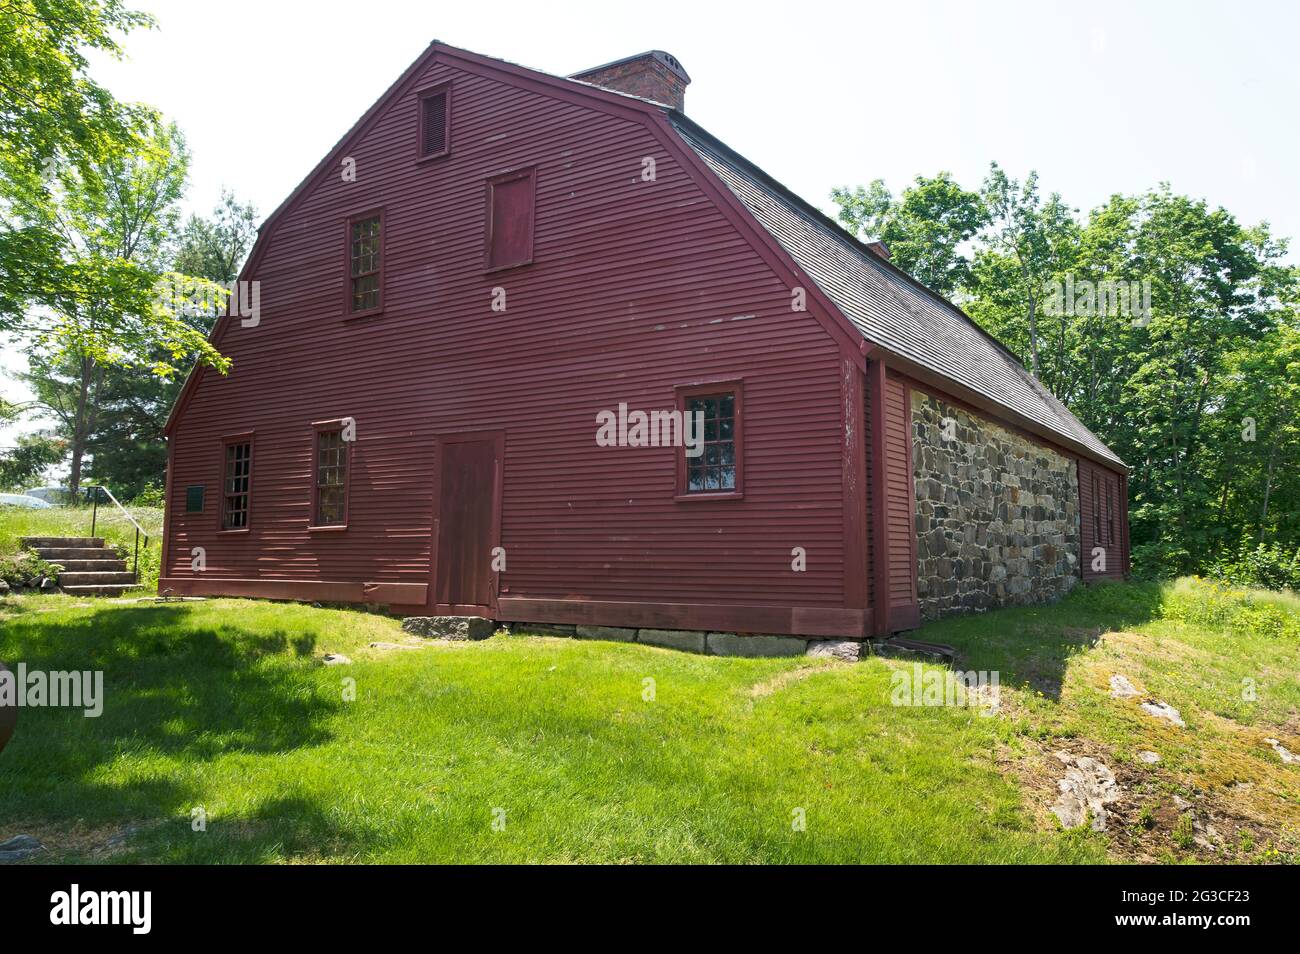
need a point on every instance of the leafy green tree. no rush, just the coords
(215, 248)
(1030, 241)
(107, 300)
(22, 465)
(1218, 290)
(51, 111)
(1187, 334)
(926, 228)
(50, 103)
(125, 440)
(1253, 443)
(127, 443)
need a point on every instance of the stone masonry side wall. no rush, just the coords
(997, 516)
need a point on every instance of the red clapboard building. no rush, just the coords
(494, 263)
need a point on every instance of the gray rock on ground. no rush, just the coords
(123, 835)
(336, 659)
(849, 650)
(1087, 788)
(449, 627)
(1286, 755)
(1121, 688)
(1151, 758)
(1163, 710)
(18, 848)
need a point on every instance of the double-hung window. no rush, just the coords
(332, 460)
(236, 482)
(365, 264)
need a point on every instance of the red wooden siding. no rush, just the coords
(1103, 519)
(635, 288)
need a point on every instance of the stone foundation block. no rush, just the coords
(449, 627)
(615, 634)
(688, 640)
(543, 629)
(732, 644)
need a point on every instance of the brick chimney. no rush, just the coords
(653, 75)
(880, 248)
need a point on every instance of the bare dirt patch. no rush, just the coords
(78, 840)
(1155, 818)
(789, 678)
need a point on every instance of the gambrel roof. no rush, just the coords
(889, 307)
(872, 298)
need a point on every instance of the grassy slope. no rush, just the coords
(223, 704)
(18, 522)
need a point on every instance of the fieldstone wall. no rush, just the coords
(997, 516)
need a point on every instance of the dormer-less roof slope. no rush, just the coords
(890, 309)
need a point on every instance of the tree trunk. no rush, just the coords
(80, 428)
(1268, 487)
(1033, 334)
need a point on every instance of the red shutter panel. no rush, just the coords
(510, 220)
(1103, 520)
(433, 124)
(900, 601)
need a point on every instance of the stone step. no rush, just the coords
(914, 648)
(98, 589)
(55, 554)
(92, 566)
(67, 579)
(36, 543)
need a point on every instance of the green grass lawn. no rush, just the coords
(225, 705)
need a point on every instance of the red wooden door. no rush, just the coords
(468, 527)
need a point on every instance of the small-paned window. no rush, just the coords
(435, 113)
(331, 496)
(716, 467)
(236, 483)
(365, 264)
(510, 219)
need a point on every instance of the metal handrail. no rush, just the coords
(94, 516)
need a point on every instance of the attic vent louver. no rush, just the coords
(433, 123)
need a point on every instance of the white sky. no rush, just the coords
(1099, 97)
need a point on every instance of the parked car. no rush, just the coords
(24, 500)
(52, 495)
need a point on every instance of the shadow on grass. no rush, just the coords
(1031, 647)
(286, 828)
(176, 695)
